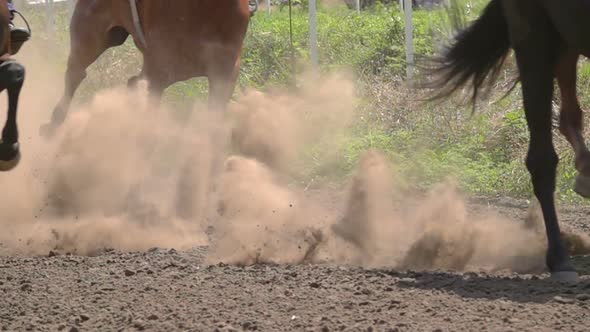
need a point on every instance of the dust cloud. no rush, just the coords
(431, 231)
(261, 219)
(274, 127)
(126, 175)
(108, 180)
(113, 177)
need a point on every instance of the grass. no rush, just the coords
(427, 143)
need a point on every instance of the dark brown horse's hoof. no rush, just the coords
(582, 185)
(9, 156)
(565, 277)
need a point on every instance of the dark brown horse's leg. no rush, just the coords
(537, 59)
(571, 120)
(12, 76)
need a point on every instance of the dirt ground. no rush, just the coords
(169, 290)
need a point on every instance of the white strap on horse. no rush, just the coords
(137, 22)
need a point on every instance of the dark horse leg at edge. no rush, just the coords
(12, 76)
(547, 37)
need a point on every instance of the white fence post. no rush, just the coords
(268, 7)
(50, 18)
(409, 39)
(358, 6)
(313, 33)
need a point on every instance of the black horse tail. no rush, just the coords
(476, 53)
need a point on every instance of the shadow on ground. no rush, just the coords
(517, 288)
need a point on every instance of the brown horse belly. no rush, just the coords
(183, 62)
(193, 36)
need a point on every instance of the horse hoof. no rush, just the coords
(9, 156)
(565, 276)
(47, 130)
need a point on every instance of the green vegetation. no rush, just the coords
(484, 151)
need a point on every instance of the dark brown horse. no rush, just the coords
(12, 76)
(179, 40)
(547, 37)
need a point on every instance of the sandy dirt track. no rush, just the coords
(166, 290)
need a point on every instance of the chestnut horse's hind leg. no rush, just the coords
(157, 79)
(537, 59)
(88, 41)
(12, 76)
(134, 80)
(192, 189)
(571, 122)
(222, 82)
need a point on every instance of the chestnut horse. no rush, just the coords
(179, 40)
(547, 37)
(12, 77)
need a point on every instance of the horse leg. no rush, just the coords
(221, 87)
(12, 76)
(134, 80)
(536, 58)
(78, 61)
(158, 80)
(194, 184)
(222, 82)
(571, 121)
(88, 43)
